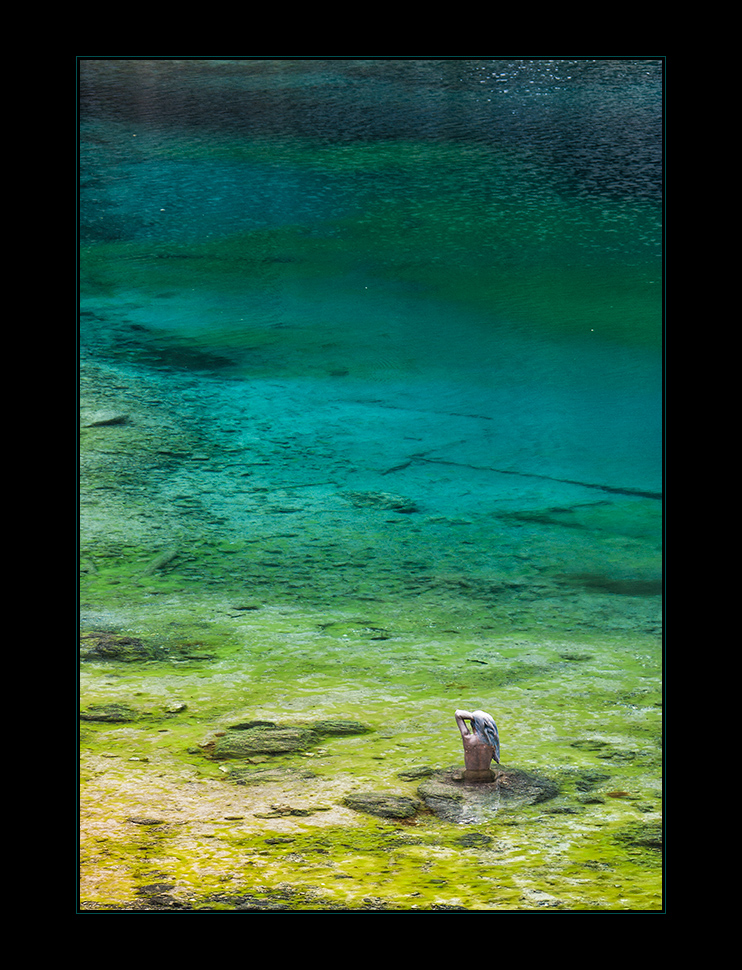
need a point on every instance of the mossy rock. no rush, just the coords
(475, 840)
(590, 778)
(262, 776)
(449, 796)
(119, 648)
(112, 713)
(642, 835)
(382, 805)
(266, 738)
(332, 728)
(414, 774)
(116, 647)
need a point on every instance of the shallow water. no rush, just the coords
(371, 428)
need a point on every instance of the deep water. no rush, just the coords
(371, 415)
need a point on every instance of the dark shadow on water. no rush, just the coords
(605, 584)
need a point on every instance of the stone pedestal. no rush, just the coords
(454, 796)
(477, 775)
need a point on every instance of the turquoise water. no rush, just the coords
(371, 387)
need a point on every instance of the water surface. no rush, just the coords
(371, 418)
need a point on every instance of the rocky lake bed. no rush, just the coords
(370, 393)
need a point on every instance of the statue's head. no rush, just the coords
(484, 725)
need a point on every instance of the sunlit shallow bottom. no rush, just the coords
(271, 565)
(164, 826)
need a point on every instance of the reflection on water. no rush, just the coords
(376, 334)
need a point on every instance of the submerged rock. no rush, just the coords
(412, 774)
(264, 739)
(453, 799)
(328, 728)
(590, 778)
(98, 645)
(382, 805)
(261, 776)
(475, 840)
(100, 419)
(382, 500)
(114, 646)
(163, 559)
(642, 835)
(251, 738)
(116, 713)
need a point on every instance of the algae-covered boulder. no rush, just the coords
(382, 805)
(242, 775)
(643, 835)
(334, 727)
(264, 739)
(251, 738)
(415, 774)
(110, 713)
(96, 645)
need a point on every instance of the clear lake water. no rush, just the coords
(371, 378)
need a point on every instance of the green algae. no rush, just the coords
(213, 844)
(387, 865)
(251, 587)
